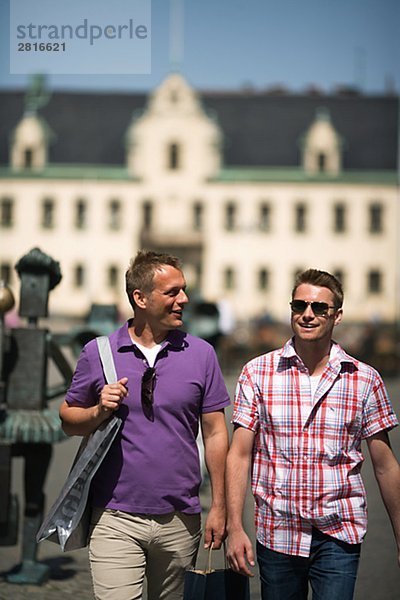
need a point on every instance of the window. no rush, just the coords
(198, 216)
(28, 158)
(265, 217)
(374, 282)
(5, 273)
(79, 276)
(7, 212)
(174, 156)
(113, 276)
(321, 162)
(263, 279)
(147, 216)
(230, 216)
(300, 216)
(229, 279)
(48, 213)
(80, 214)
(115, 215)
(376, 218)
(339, 218)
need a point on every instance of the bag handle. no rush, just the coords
(106, 357)
(210, 549)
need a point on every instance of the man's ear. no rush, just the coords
(338, 316)
(140, 298)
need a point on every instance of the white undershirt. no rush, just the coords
(150, 353)
(314, 381)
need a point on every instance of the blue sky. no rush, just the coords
(228, 44)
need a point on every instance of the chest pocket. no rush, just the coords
(336, 426)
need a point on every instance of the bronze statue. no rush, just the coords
(28, 428)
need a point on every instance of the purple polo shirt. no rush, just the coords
(153, 465)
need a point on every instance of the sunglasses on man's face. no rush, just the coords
(320, 309)
(148, 381)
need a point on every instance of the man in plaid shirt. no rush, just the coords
(300, 415)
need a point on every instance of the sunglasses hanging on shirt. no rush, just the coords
(147, 394)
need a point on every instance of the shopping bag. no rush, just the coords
(215, 584)
(67, 522)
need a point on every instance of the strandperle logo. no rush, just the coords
(94, 37)
(84, 31)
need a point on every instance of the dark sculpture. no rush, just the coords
(28, 428)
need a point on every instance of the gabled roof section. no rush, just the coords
(258, 129)
(262, 130)
(176, 95)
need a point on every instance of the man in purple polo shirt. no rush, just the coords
(146, 515)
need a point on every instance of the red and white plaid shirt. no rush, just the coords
(307, 453)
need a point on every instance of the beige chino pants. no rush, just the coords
(125, 548)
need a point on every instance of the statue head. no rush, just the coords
(39, 274)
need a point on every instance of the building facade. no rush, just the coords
(248, 189)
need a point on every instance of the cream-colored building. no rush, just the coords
(317, 187)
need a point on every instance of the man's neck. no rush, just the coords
(145, 335)
(314, 355)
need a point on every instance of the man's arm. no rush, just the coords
(240, 551)
(387, 473)
(215, 439)
(77, 420)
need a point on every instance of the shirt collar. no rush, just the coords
(174, 338)
(337, 357)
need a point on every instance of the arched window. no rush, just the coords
(375, 281)
(174, 157)
(48, 213)
(28, 158)
(229, 278)
(113, 276)
(376, 218)
(80, 214)
(147, 215)
(339, 218)
(300, 218)
(265, 217)
(263, 279)
(198, 216)
(115, 214)
(79, 276)
(230, 216)
(6, 212)
(321, 162)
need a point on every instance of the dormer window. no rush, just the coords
(173, 135)
(322, 146)
(29, 143)
(28, 158)
(174, 157)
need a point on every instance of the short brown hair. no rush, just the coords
(321, 279)
(142, 268)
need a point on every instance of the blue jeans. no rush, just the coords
(331, 570)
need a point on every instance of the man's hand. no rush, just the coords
(240, 553)
(113, 394)
(214, 531)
